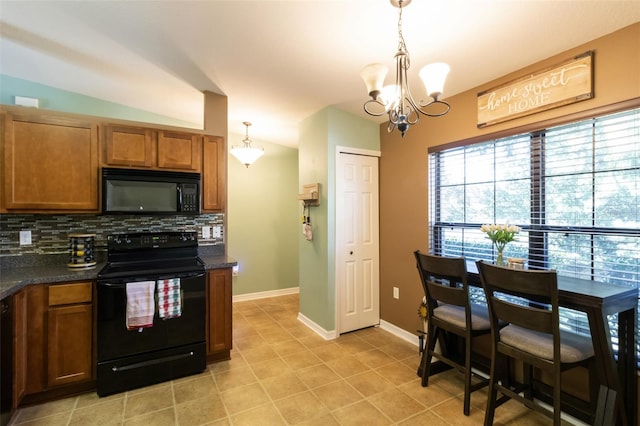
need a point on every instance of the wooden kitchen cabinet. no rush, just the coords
(54, 341)
(219, 314)
(69, 334)
(179, 151)
(128, 146)
(50, 163)
(214, 175)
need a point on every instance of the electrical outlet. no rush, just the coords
(206, 232)
(396, 293)
(25, 237)
(217, 231)
(234, 270)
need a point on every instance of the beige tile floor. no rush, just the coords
(282, 373)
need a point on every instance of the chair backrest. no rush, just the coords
(537, 308)
(444, 279)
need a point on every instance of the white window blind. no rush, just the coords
(573, 189)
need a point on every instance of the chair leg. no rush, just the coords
(557, 391)
(492, 394)
(606, 407)
(426, 357)
(527, 376)
(467, 375)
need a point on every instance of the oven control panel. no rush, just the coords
(151, 240)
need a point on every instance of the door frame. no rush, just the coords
(352, 151)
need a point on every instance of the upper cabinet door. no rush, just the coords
(128, 146)
(179, 151)
(50, 163)
(214, 174)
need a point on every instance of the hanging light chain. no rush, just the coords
(247, 141)
(402, 46)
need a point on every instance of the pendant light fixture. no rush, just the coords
(396, 100)
(246, 153)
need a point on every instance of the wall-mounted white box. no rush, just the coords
(27, 102)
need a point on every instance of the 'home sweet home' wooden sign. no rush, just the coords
(562, 84)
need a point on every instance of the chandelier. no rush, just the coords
(246, 153)
(396, 100)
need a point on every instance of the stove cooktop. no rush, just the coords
(155, 268)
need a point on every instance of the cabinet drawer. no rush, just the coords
(64, 294)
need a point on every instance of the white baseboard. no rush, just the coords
(325, 334)
(265, 294)
(399, 332)
(384, 325)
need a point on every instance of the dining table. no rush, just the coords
(598, 301)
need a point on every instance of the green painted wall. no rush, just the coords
(263, 219)
(313, 167)
(320, 134)
(60, 100)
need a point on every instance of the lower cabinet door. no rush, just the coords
(20, 353)
(69, 342)
(219, 316)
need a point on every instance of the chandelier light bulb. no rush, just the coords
(390, 96)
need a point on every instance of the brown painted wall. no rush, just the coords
(403, 165)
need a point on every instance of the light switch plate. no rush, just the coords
(25, 238)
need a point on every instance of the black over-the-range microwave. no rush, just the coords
(130, 191)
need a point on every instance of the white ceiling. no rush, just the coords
(280, 61)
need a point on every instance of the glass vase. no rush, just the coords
(500, 260)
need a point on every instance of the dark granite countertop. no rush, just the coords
(18, 271)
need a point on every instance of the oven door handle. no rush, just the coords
(152, 362)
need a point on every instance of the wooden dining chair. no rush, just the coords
(444, 281)
(528, 301)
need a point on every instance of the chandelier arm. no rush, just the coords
(411, 106)
(377, 103)
(393, 117)
(391, 126)
(447, 107)
(417, 106)
(412, 113)
(401, 78)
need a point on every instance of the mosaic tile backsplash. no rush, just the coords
(50, 233)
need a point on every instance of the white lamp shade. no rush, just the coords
(247, 154)
(433, 77)
(373, 76)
